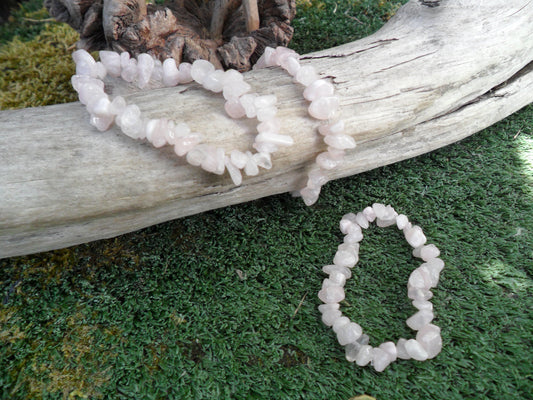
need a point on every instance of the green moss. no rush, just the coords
(37, 72)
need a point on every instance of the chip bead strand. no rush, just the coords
(428, 341)
(144, 71)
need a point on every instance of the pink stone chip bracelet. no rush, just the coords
(428, 341)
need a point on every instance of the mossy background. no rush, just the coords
(223, 304)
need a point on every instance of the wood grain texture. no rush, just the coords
(430, 77)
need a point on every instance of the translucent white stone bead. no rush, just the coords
(231, 76)
(266, 59)
(426, 252)
(181, 129)
(345, 259)
(171, 73)
(348, 224)
(340, 323)
(336, 128)
(247, 103)
(238, 158)
(201, 69)
(430, 339)
(420, 279)
(369, 213)
(349, 333)
(423, 305)
(401, 221)
(317, 89)
(214, 81)
(418, 294)
(145, 66)
(353, 237)
(94, 103)
(263, 160)
(332, 268)
(414, 236)
(380, 359)
(214, 160)
(401, 352)
(100, 70)
(85, 63)
(420, 319)
(338, 278)
(340, 141)
(234, 108)
(326, 161)
(129, 69)
(275, 138)
(130, 122)
(324, 107)
(317, 178)
(328, 307)
(332, 294)
(266, 113)
(265, 147)
(111, 60)
(185, 73)
(89, 92)
(78, 81)
(184, 144)
(235, 90)
(361, 220)
(272, 125)
(124, 58)
(251, 168)
(310, 195)
(197, 155)
(306, 75)
(329, 317)
(390, 349)
(415, 350)
(233, 171)
(265, 101)
(157, 73)
(281, 54)
(364, 356)
(155, 130)
(101, 123)
(291, 65)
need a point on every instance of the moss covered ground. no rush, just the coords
(223, 304)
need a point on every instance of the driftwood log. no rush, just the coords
(229, 33)
(429, 77)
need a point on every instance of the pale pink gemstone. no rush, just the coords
(328, 307)
(380, 359)
(214, 160)
(130, 122)
(317, 178)
(332, 268)
(335, 128)
(332, 294)
(306, 75)
(338, 278)
(89, 92)
(170, 73)
(265, 147)
(185, 73)
(85, 63)
(415, 350)
(234, 108)
(401, 221)
(251, 168)
(414, 236)
(100, 70)
(184, 144)
(390, 349)
(233, 171)
(201, 69)
(345, 259)
(124, 58)
(157, 73)
(419, 319)
(266, 113)
(310, 195)
(369, 213)
(329, 317)
(197, 155)
(282, 53)
(383, 223)
(364, 356)
(401, 352)
(429, 251)
(324, 107)
(129, 70)
(118, 105)
(266, 60)
(101, 123)
(214, 81)
(340, 141)
(235, 90)
(361, 220)
(263, 160)
(317, 89)
(349, 333)
(430, 339)
(274, 138)
(111, 60)
(155, 132)
(423, 305)
(291, 65)
(238, 158)
(265, 101)
(418, 294)
(420, 279)
(78, 81)
(340, 323)
(94, 103)
(325, 161)
(247, 103)
(231, 76)
(353, 238)
(145, 66)
(272, 125)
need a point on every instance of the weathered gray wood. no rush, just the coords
(430, 77)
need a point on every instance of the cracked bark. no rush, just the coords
(84, 185)
(229, 33)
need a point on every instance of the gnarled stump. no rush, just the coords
(229, 33)
(428, 78)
